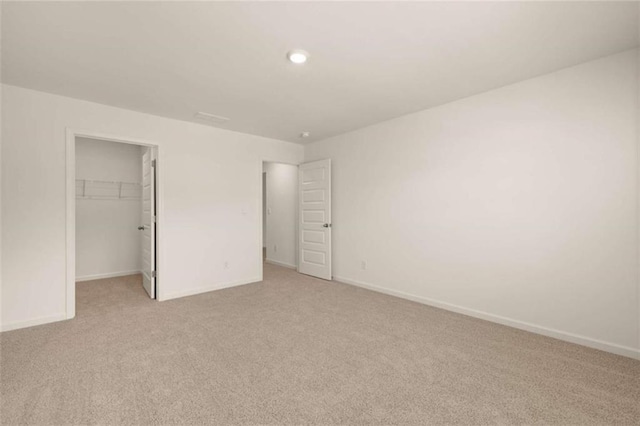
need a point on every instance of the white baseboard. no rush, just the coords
(108, 275)
(33, 322)
(557, 334)
(206, 289)
(278, 263)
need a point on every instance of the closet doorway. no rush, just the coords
(112, 210)
(279, 214)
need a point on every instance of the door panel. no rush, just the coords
(148, 222)
(314, 232)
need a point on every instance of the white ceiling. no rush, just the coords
(369, 61)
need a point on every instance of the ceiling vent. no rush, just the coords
(215, 119)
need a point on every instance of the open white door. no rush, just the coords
(148, 226)
(314, 232)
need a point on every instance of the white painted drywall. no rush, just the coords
(209, 188)
(518, 205)
(638, 184)
(107, 238)
(264, 209)
(1, 115)
(282, 190)
(638, 136)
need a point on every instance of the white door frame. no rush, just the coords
(260, 207)
(72, 134)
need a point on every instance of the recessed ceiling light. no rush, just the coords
(211, 117)
(305, 134)
(298, 56)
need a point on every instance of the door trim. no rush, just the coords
(71, 135)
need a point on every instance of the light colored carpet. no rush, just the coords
(296, 350)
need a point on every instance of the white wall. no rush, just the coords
(107, 238)
(282, 205)
(638, 141)
(210, 198)
(518, 205)
(1, 173)
(264, 209)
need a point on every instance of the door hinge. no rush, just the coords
(154, 219)
(153, 163)
(154, 274)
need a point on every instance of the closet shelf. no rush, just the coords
(87, 189)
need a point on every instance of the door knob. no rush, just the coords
(141, 228)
